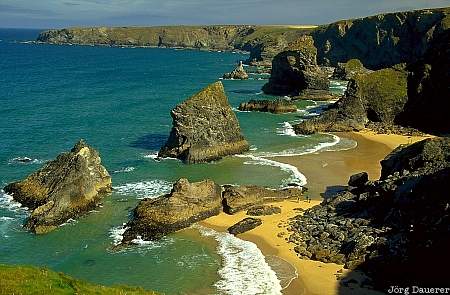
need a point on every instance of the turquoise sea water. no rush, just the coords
(119, 100)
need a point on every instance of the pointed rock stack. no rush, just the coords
(237, 74)
(64, 188)
(205, 128)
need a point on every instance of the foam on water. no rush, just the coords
(125, 170)
(239, 111)
(24, 161)
(296, 176)
(116, 233)
(286, 129)
(244, 269)
(7, 202)
(145, 189)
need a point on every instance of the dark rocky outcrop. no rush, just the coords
(396, 228)
(237, 74)
(359, 179)
(428, 103)
(244, 225)
(296, 69)
(375, 97)
(349, 69)
(238, 198)
(277, 106)
(186, 204)
(72, 184)
(382, 40)
(205, 128)
(261, 210)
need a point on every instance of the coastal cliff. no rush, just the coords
(205, 128)
(263, 42)
(382, 40)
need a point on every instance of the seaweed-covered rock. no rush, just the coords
(375, 97)
(71, 185)
(263, 210)
(277, 106)
(238, 198)
(186, 204)
(348, 70)
(237, 74)
(244, 225)
(205, 128)
(296, 69)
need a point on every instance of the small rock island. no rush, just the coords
(205, 128)
(72, 184)
(237, 74)
(277, 106)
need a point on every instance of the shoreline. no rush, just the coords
(327, 172)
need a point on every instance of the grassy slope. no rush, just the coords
(33, 280)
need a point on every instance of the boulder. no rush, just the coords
(237, 74)
(379, 97)
(349, 70)
(359, 179)
(67, 187)
(261, 210)
(296, 69)
(277, 106)
(244, 225)
(205, 128)
(238, 198)
(186, 204)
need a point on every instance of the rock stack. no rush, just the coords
(237, 74)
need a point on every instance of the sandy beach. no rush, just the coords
(326, 172)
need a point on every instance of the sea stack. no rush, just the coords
(72, 184)
(205, 128)
(238, 73)
(295, 71)
(277, 106)
(186, 204)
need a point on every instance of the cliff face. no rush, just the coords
(263, 42)
(383, 40)
(66, 187)
(205, 128)
(376, 97)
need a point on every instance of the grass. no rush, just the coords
(18, 280)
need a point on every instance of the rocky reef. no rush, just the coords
(295, 70)
(71, 185)
(382, 40)
(349, 69)
(186, 204)
(395, 229)
(277, 106)
(237, 74)
(205, 128)
(238, 198)
(379, 96)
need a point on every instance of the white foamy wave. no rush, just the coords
(239, 111)
(286, 129)
(154, 156)
(24, 161)
(145, 189)
(116, 233)
(125, 170)
(69, 221)
(296, 176)
(6, 218)
(253, 148)
(7, 202)
(244, 269)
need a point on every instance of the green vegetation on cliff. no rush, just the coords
(33, 280)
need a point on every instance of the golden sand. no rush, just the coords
(326, 172)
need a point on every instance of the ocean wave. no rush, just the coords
(116, 233)
(125, 170)
(145, 189)
(24, 161)
(154, 156)
(244, 269)
(239, 111)
(69, 221)
(6, 218)
(296, 176)
(286, 129)
(7, 202)
(253, 148)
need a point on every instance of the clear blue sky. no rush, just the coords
(64, 13)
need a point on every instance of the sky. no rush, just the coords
(44, 14)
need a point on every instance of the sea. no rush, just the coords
(119, 101)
